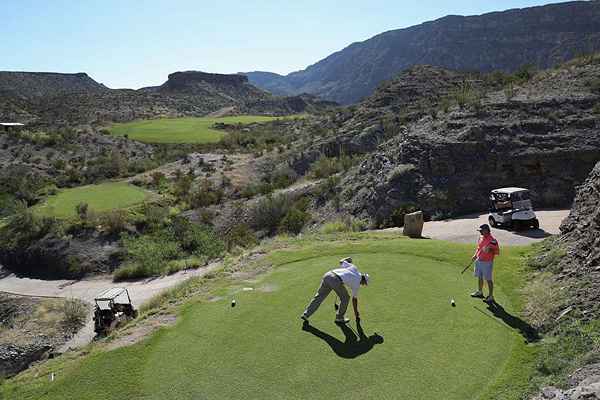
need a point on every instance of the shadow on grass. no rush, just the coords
(355, 343)
(512, 321)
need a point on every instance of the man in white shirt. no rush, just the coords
(347, 274)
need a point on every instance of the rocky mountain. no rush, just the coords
(542, 134)
(543, 36)
(43, 99)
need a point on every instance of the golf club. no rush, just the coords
(467, 267)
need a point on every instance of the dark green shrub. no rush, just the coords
(82, 210)
(294, 220)
(269, 211)
(113, 222)
(396, 219)
(205, 194)
(240, 235)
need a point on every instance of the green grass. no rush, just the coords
(181, 130)
(258, 349)
(102, 197)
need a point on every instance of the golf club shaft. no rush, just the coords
(467, 267)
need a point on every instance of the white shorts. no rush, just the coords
(483, 269)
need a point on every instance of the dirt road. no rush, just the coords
(463, 229)
(88, 289)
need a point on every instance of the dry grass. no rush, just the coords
(545, 298)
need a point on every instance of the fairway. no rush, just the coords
(182, 130)
(259, 350)
(102, 197)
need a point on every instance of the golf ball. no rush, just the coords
(452, 303)
(233, 303)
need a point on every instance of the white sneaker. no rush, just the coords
(477, 294)
(342, 320)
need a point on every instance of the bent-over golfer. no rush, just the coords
(487, 249)
(347, 274)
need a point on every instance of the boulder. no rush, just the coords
(413, 224)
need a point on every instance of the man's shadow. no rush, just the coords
(353, 345)
(527, 331)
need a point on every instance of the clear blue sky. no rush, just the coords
(135, 43)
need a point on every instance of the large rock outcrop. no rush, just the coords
(543, 135)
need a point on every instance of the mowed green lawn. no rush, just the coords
(181, 130)
(102, 197)
(258, 350)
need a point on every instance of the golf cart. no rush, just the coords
(113, 306)
(511, 207)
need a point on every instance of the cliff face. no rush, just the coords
(422, 148)
(542, 36)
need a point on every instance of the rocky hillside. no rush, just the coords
(543, 36)
(41, 99)
(542, 134)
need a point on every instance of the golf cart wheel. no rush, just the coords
(492, 221)
(536, 224)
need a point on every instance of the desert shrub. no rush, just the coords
(155, 215)
(525, 73)
(349, 224)
(113, 222)
(327, 190)
(294, 220)
(269, 211)
(465, 95)
(75, 314)
(157, 179)
(324, 167)
(82, 210)
(240, 236)
(22, 182)
(147, 255)
(199, 240)
(205, 194)
(23, 228)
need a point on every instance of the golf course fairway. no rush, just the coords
(183, 130)
(258, 349)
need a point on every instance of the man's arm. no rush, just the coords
(355, 306)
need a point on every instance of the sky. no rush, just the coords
(137, 43)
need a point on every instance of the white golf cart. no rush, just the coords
(113, 307)
(511, 207)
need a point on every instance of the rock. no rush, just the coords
(413, 224)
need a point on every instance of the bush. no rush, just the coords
(525, 73)
(155, 215)
(349, 224)
(325, 167)
(75, 314)
(269, 211)
(294, 220)
(82, 210)
(205, 194)
(113, 222)
(240, 236)
(396, 219)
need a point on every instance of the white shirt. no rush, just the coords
(350, 276)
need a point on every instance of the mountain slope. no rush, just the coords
(543, 36)
(52, 99)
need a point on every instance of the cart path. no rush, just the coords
(463, 229)
(87, 289)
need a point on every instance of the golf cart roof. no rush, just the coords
(110, 294)
(509, 190)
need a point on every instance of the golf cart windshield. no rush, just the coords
(107, 299)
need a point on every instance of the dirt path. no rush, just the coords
(87, 289)
(463, 229)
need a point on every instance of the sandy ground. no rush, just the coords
(463, 229)
(88, 289)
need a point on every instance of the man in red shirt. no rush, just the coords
(487, 249)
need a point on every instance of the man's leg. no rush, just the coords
(322, 293)
(480, 284)
(491, 289)
(342, 293)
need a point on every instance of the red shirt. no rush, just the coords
(487, 248)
